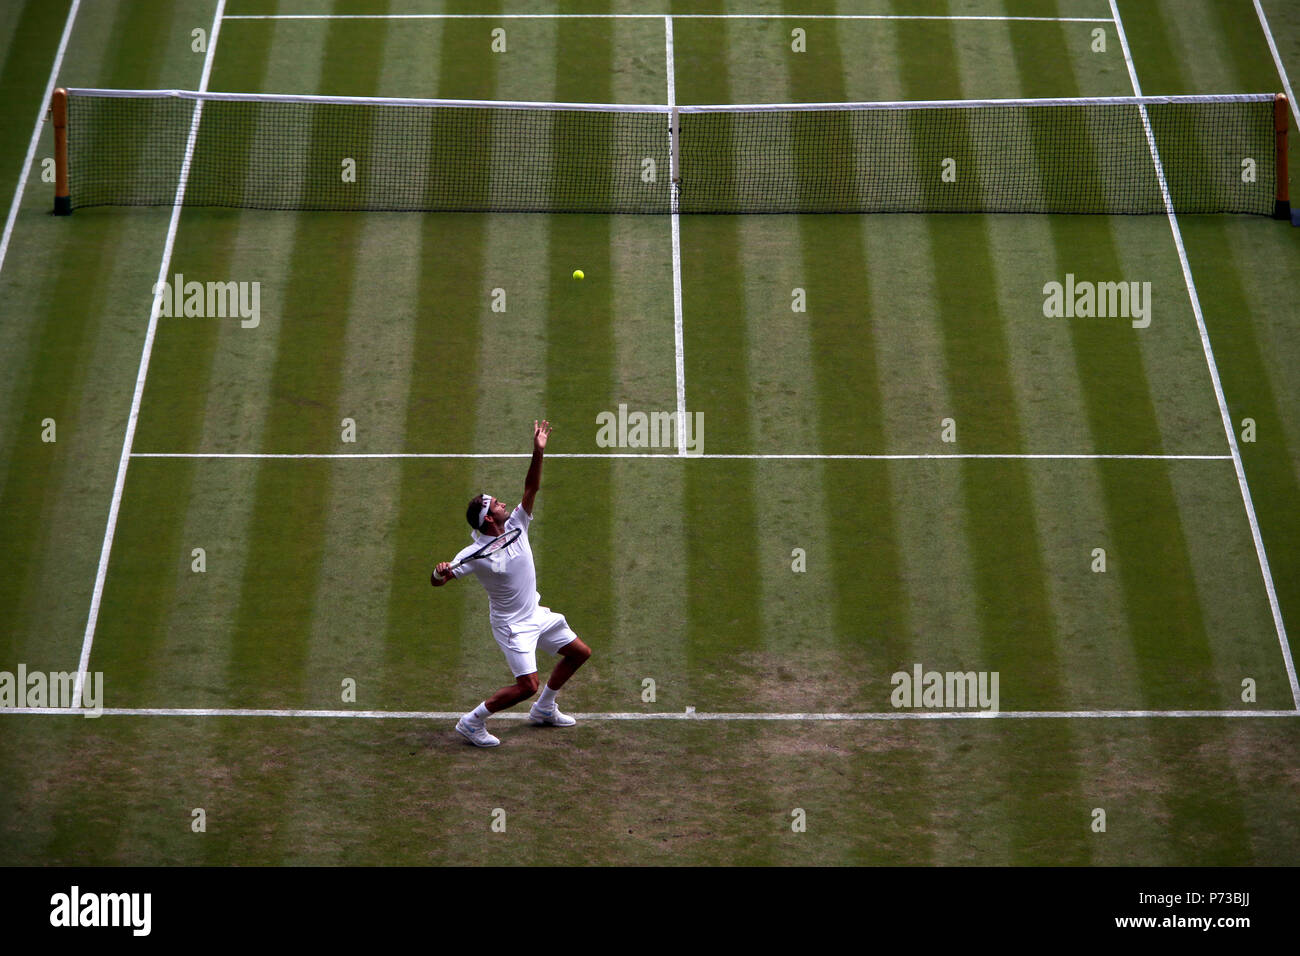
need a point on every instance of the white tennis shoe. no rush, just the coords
(477, 734)
(552, 717)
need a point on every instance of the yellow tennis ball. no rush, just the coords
(577, 273)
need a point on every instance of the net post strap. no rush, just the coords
(675, 131)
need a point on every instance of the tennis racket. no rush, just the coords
(496, 544)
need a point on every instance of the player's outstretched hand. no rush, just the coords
(541, 431)
(439, 575)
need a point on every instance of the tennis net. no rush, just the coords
(1115, 155)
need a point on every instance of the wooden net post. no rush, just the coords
(1281, 110)
(59, 114)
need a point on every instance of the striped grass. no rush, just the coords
(678, 571)
(862, 812)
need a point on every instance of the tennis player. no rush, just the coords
(519, 622)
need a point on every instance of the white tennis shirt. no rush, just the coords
(509, 575)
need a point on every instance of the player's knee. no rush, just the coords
(579, 651)
(528, 684)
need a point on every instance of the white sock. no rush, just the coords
(547, 700)
(479, 713)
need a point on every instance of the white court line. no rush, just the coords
(651, 16)
(1277, 59)
(677, 715)
(1214, 369)
(36, 133)
(679, 337)
(812, 457)
(92, 619)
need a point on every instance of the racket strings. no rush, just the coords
(504, 541)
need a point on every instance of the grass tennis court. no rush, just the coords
(904, 463)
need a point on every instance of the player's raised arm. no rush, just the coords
(533, 483)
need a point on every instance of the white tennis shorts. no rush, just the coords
(519, 641)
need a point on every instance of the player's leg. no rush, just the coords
(524, 687)
(572, 656)
(520, 649)
(557, 637)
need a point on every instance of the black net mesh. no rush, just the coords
(1092, 158)
(1057, 158)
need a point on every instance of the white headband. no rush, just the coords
(487, 503)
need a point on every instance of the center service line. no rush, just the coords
(678, 333)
